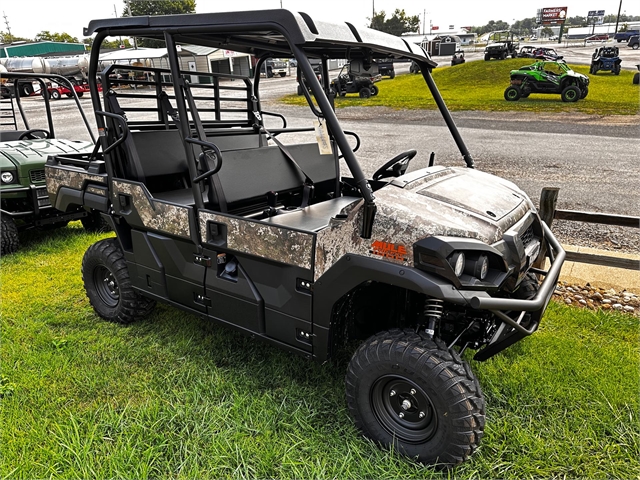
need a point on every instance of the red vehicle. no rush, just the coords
(597, 38)
(56, 92)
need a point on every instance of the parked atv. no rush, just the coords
(355, 77)
(547, 77)
(24, 202)
(500, 45)
(221, 215)
(605, 58)
(458, 58)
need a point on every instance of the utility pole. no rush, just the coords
(618, 19)
(6, 22)
(135, 42)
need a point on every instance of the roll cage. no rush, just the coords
(264, 34)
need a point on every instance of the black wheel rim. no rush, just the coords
(106, 286)
(403, 409)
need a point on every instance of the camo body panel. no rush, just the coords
(155, 214)
(271, 242)
(405, 215)
(58, 177)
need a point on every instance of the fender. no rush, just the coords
(353, 270)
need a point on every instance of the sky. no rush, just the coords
(70, 16)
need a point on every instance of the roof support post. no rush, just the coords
(426, 73)
(183, 124)
(341, 139)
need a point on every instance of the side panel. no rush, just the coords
(257, 275)
(165, 267)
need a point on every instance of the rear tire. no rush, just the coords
(410, 392)
(503, 56)
(392, 75)
(571, 94)
(365, 92)
(108, 286)
(636, 78)
(8, 235)
(512, 93)
(55, 94)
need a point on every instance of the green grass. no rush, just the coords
(174, 396)
(480, 86)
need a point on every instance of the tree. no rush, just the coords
(546, 32)
(6, 38)
(398, 24)
(492, 26)
(108, 44)
(156, 7)
(46, 35)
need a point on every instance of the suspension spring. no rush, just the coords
(433, 309)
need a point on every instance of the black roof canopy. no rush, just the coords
(265, 32)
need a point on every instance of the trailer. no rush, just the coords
(56, 91)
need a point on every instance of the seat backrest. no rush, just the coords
(249, 174)
(161, 153)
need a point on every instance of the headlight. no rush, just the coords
(477, 267)
(465, 262)
(457, 263)
(7, 177)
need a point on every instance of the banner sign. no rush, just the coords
(553, 16)
(595, 17)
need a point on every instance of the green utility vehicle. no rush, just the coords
(547, 77)
(25, 144)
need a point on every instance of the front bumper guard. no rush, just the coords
(483, 301)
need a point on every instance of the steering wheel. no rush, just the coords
(31, 134)
(396, 166)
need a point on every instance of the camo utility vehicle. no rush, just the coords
(500, 45)
(547, 77)
(355, 77)
(24, 147)
(221, 214)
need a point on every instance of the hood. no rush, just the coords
(435, 201)
(34, 153)
(453, 201)
(496, 44)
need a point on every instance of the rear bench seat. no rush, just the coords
(248, 170)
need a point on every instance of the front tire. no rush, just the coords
(636, 78)
(585, 92)
(55, 94)
(374, 90)
(571, 94)
(413, 393)
(8, 235)
(512, 93)
(108, 286)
